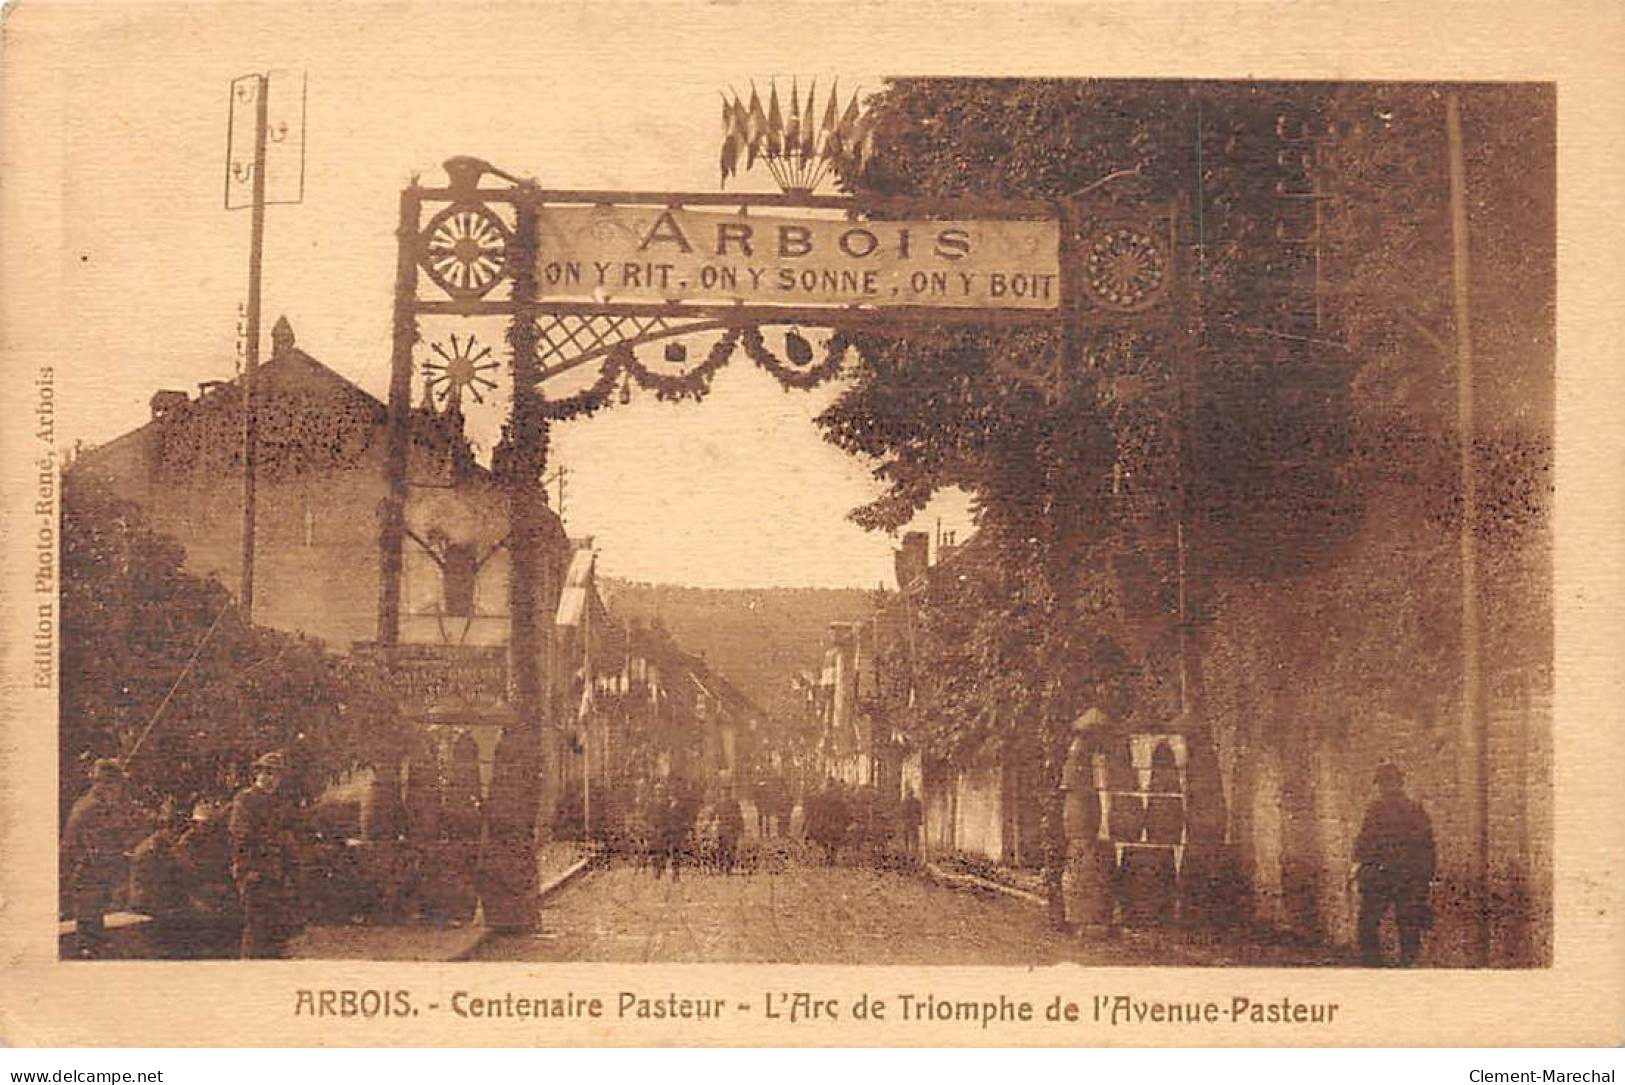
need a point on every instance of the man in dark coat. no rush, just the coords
(102, 826)
(685, 809)
(1395, 858)
(761, 797)
(832, 817)
(657, 815)
(813, 815)
(911, 815)
(204, 853)
(730, 827)
(158, 883)
(265, 861)
(675, 817)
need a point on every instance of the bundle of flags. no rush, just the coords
(799, 148)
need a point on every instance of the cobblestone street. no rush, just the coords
(796, 911)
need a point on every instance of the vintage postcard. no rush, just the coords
(712, 524)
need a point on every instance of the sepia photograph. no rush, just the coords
(494, 508)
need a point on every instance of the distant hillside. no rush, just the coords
(758, 638)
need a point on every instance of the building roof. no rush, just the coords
(310, 418)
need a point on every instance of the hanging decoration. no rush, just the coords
(802, 379)
(796, 347)
(621, 369)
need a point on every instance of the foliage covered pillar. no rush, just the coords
(1206, 815)
(1060, 587)
(518, 462)
(404, 335)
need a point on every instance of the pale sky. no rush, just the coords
(737, 491)
(124, 273)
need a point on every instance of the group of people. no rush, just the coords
(672, 826)
(668, 819)
(232, 875)
(774, 803)
(213, 881)
(865, 819)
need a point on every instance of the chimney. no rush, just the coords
(168, 401)
(911, 559)
(281, 338)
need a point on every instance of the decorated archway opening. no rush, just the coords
(551, 282)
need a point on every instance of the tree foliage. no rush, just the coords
(1315, 227)
(1389, 312)
(151, 650)
(1051, 445)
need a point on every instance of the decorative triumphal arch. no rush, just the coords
(578, 278)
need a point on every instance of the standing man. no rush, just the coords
(1395, 859)
(832, 818)
(685, 812)
(672, 810)
(730, 827)
(101, 828)
(158, 882)
(658, 816)
(204, 852)
(912, 816)
(265, 860)
(814, 815)
(763, 801)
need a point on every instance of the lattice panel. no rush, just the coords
(567, 337)
(565, 340)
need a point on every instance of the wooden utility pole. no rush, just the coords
(247, 144)
(1474, 724)
(251, 348)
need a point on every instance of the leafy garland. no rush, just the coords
(622, 366)
(828, 369)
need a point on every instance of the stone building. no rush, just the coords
(320, 486)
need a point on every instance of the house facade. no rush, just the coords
(635, 709)
(319, 491)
